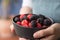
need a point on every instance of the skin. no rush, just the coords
(50, 33)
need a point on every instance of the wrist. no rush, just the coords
(25, 10)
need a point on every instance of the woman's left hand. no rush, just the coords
(50, 33)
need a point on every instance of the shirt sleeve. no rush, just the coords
(27, 3)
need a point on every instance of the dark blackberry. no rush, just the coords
(26, 14)
(33, 24)
(33, 17)
(24, 18)
(42, 16)
(47, 22)
(40, 20)
(21, 19)
(17, 19)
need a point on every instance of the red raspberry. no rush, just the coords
(19, 22)
(29, 16)
(22, 15)
(24, 23)
(39, 25)
(30, 25)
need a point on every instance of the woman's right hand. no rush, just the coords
(12, 30)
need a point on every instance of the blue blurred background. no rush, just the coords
(10, 7)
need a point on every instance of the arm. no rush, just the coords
(26, 7)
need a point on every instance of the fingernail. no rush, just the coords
(22, 39)
(35, 35)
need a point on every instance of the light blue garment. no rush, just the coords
(49, 8)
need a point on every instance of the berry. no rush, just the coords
(42, 16)
(40, 20)
(33, 23)
(19, 22)
(47, 22)
(39, 25)
(25, 25)
(24, 22)
(17, 19)
(26, 14)
(25, 17)
(33, 17)
(30, 25)
(22, 15)
(29, 16)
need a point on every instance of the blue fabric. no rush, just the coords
(49, 8)
(15, 7)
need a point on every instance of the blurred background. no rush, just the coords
(8, 8)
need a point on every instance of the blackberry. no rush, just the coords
(40, 20)
(33, 24)
(33, 17)
(24, 18)
(47, 22)
(26, 14)
(17, 19)
(42, 16)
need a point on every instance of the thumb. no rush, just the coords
(45, 32)
(12, 28)
(23, 39)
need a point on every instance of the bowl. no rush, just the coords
(24, 32)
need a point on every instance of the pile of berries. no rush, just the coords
(33, 21)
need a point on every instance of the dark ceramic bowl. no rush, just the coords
(25, 32)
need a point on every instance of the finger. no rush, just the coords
(23, 39)
(51, 37)
(12, 28)
(44, 32)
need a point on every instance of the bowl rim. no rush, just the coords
(28, 27)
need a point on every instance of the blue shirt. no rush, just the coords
(49, 8)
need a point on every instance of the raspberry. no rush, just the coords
(22, 15)
(17, 19)
(39, 25)
(40, 20)
(25, 25)
(47, 22)
(30, 25)
(33, 23)
(29, 16)
(19, 22)
(24, 22)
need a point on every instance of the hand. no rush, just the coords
(50, 33)
(12, 30)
